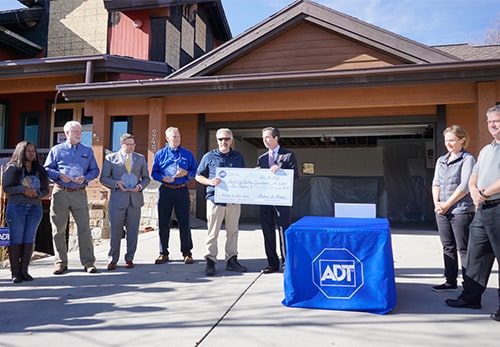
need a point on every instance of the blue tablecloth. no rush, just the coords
(340, 264)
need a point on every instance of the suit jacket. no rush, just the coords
(286, 160)
(112, 170)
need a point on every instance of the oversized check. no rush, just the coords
(254, 187)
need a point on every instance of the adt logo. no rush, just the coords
(337, 273)
(4, 237)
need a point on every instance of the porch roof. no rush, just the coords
(476, 71)
(101, 63)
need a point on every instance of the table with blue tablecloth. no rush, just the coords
(340, 264)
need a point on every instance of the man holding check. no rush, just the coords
(223, 156)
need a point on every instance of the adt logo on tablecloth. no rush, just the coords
(337, 273)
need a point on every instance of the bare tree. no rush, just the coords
(492, 34)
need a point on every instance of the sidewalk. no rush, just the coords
(174, 304)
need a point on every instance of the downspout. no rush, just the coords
(89, 71)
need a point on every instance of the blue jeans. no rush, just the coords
(23, 222)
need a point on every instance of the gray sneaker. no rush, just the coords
(233, 265)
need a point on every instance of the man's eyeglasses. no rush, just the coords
(224, 139)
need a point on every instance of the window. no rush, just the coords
(119, 126)
(66, 112)
(30, 126)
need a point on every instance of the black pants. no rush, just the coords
(484, 246)
(270, 216)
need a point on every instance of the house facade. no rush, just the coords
(363, 108)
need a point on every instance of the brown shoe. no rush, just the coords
(161, 259)
(60, 269)
(129, 264)
(112, 266)
(188, 259)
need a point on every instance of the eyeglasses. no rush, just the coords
(129, 144)
(224, 139)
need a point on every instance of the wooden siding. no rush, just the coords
(127, 40)
(140, 130)
(188, 127)
(324, 99)
(307, 47)
(323, 114)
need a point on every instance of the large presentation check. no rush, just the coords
(254, 187)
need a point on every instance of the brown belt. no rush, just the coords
(175, 186)
(70, 190)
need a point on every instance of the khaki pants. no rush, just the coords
(61, 204)
(230, 214)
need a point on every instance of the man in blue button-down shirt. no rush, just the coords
(71, 165)
(173, 166)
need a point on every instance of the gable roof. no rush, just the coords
(336, 22)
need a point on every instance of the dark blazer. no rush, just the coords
(285, 160)
(112, 170)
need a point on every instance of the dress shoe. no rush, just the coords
(112, 266)
(233, 265)
(161, 259)
(445, 287)
(90, 269)
(210, 269)
(459, 303)
(496, 315)
(269, 270)
(17, 279)
(188, 259)
(129, 264)
(60, 269)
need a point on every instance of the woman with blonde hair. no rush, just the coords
(452, 202)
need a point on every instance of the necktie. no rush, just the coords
(271, 158)
(128, 163)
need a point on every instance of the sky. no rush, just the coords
(431, 22)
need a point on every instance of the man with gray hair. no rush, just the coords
(71, 166)
(173, 166)
(223, 156)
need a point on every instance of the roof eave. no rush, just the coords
(399, 75)
(42, 67)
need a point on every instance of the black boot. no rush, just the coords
(233, 265)
(210, 270)
(15, 264)
(26, 252)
